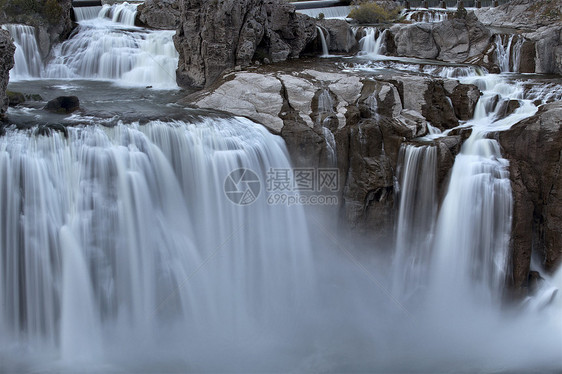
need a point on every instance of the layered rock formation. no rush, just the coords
(215, 36)
(51, 18)
(533, 148)
(522, 14)
(159, 14)
(7, 50)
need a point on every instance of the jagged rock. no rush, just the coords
(532, 147)
(340, 36)
(522, 14)
(507, 108)
(453, 40)
(7, 50)
(159, 14)
(51, 18)
(215, 36)
(464, 98)
(63, 105)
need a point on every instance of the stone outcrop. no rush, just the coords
(63, 105)
(159, 14)
(215, 36)
(548, 50)
(7, 50)
(340, 37)
(368, 120)
(51, 18)
(453, 40)
(533, 149)
(522, 14)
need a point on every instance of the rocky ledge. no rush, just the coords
(159, 14)
(326, 115)
(7, 50)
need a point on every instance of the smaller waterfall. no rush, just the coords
(426, 16)
(508, 52)
(417, 207)
(86, 12)
(325, 52)
(28, 62)
(374, 42)
(338, 12)
(325, 109)
(124, 13)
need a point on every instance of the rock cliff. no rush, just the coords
(215, 36)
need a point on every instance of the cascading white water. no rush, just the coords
(325, 52)
(115, 50)
(124, 13)
(86, 12)
(126, 228)
(417, 208)
(508, 52)
(426, 15)
(325, 108)
(373, 43)
(337, 12)
(27, 59)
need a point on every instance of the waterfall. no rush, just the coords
(86, 12)
(28, 62)
(124, 13)
(129, 227)
(417, 207)
(508, 52)
(325, 52)
(105, 50)
(425, 15)
(374, 42)
(338, 12)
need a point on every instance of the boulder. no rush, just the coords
(63, 105)
(464, 98)
(15, 98)
(7, 50)
(159, 14)
(340, 36)
(533, 148)
(216, 36)
(453, 40)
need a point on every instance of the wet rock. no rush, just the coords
(217, 36)
(507, 108)
(415, 41)
(437, 107)
(533, 148)
(464, 98)
(159, 14)
(548, 46)
(63, 105)
(340, 36)
(7, 50)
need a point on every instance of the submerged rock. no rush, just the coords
(7, 50)
(63, 105)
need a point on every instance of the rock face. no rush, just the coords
(7, 50)
(533, 149)
(215, 36)
(453, 40)
(159, 14)
(51, 18)
(548, 50)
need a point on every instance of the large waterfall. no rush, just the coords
(137, 236)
